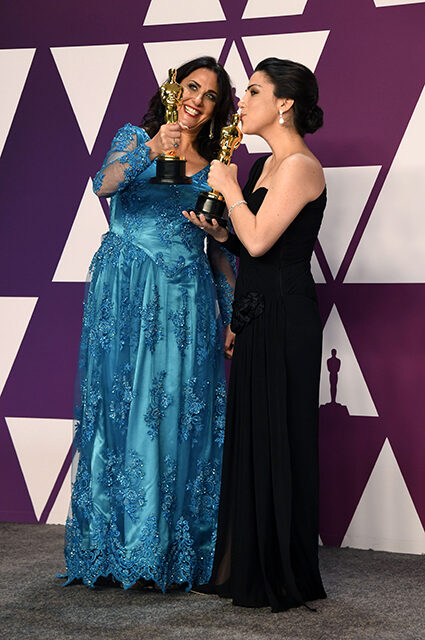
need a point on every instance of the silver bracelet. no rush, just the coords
(235, 205)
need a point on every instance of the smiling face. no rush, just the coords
(259, 106)
(200, 90)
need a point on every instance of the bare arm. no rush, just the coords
(298, 180)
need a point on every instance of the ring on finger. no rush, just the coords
(175, 144)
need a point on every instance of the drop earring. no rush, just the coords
(211, 134)
(281, 120)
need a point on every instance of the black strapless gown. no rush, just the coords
(267, 541)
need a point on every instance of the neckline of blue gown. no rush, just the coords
(200, 171)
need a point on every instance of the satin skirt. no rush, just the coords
(149, 422)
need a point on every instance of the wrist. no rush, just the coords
(223, 237)
(153, 152)
(232, 194)
(234, 205)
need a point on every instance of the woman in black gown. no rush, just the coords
(267, 544)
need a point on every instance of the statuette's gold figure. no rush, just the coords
(230, 140)
(171, 97)
(171, 168)
(211, 203)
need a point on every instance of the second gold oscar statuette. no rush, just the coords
(211, 203)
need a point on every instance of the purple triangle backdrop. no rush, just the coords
(370, 75)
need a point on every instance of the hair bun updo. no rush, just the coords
(296, 81)
(313, 119)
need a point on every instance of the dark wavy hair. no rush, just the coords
(295, 81)
(224, 107)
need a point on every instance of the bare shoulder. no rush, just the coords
(301, 159)
(304, 169)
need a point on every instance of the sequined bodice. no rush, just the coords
(146, 220)
(150, 216)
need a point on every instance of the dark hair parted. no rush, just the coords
(295, 81)
(224, 107)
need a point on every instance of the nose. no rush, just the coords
(241, 103)
(198, 98)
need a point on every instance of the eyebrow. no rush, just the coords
(254, 84)
(208, 91)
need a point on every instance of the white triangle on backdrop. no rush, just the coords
(163, 55)
(352, 390)
(392, 247)
(393, 3)
(41, 445)
(386, 518)
(239, 78)
(166, 12)
(348, 190)
(15, 316)
(83, 239)
(14, 67)
(59, 511)
(236, 70)
(316, 270)
(269, 8)
(89, 75)
(303, 47)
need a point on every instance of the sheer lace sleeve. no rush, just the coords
(126, 159)
(232, 244)
(223, 265)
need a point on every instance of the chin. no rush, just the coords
(192, 126)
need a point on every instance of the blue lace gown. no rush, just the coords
(150, 402)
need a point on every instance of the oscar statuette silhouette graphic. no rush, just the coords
(334, 365)
(211, 203)
(333, 408)
(171, 168)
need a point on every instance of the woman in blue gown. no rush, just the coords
(151, 388)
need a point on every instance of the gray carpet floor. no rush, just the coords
(370, 595)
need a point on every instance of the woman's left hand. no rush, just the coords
(229, 342)
(221, 175)
(218, 232)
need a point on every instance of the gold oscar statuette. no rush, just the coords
(171, 168)
(211, 203)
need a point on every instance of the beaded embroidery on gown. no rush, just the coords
(149, 412)
(267, 539)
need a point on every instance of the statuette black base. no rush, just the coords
(171, 171)
(212, 206)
